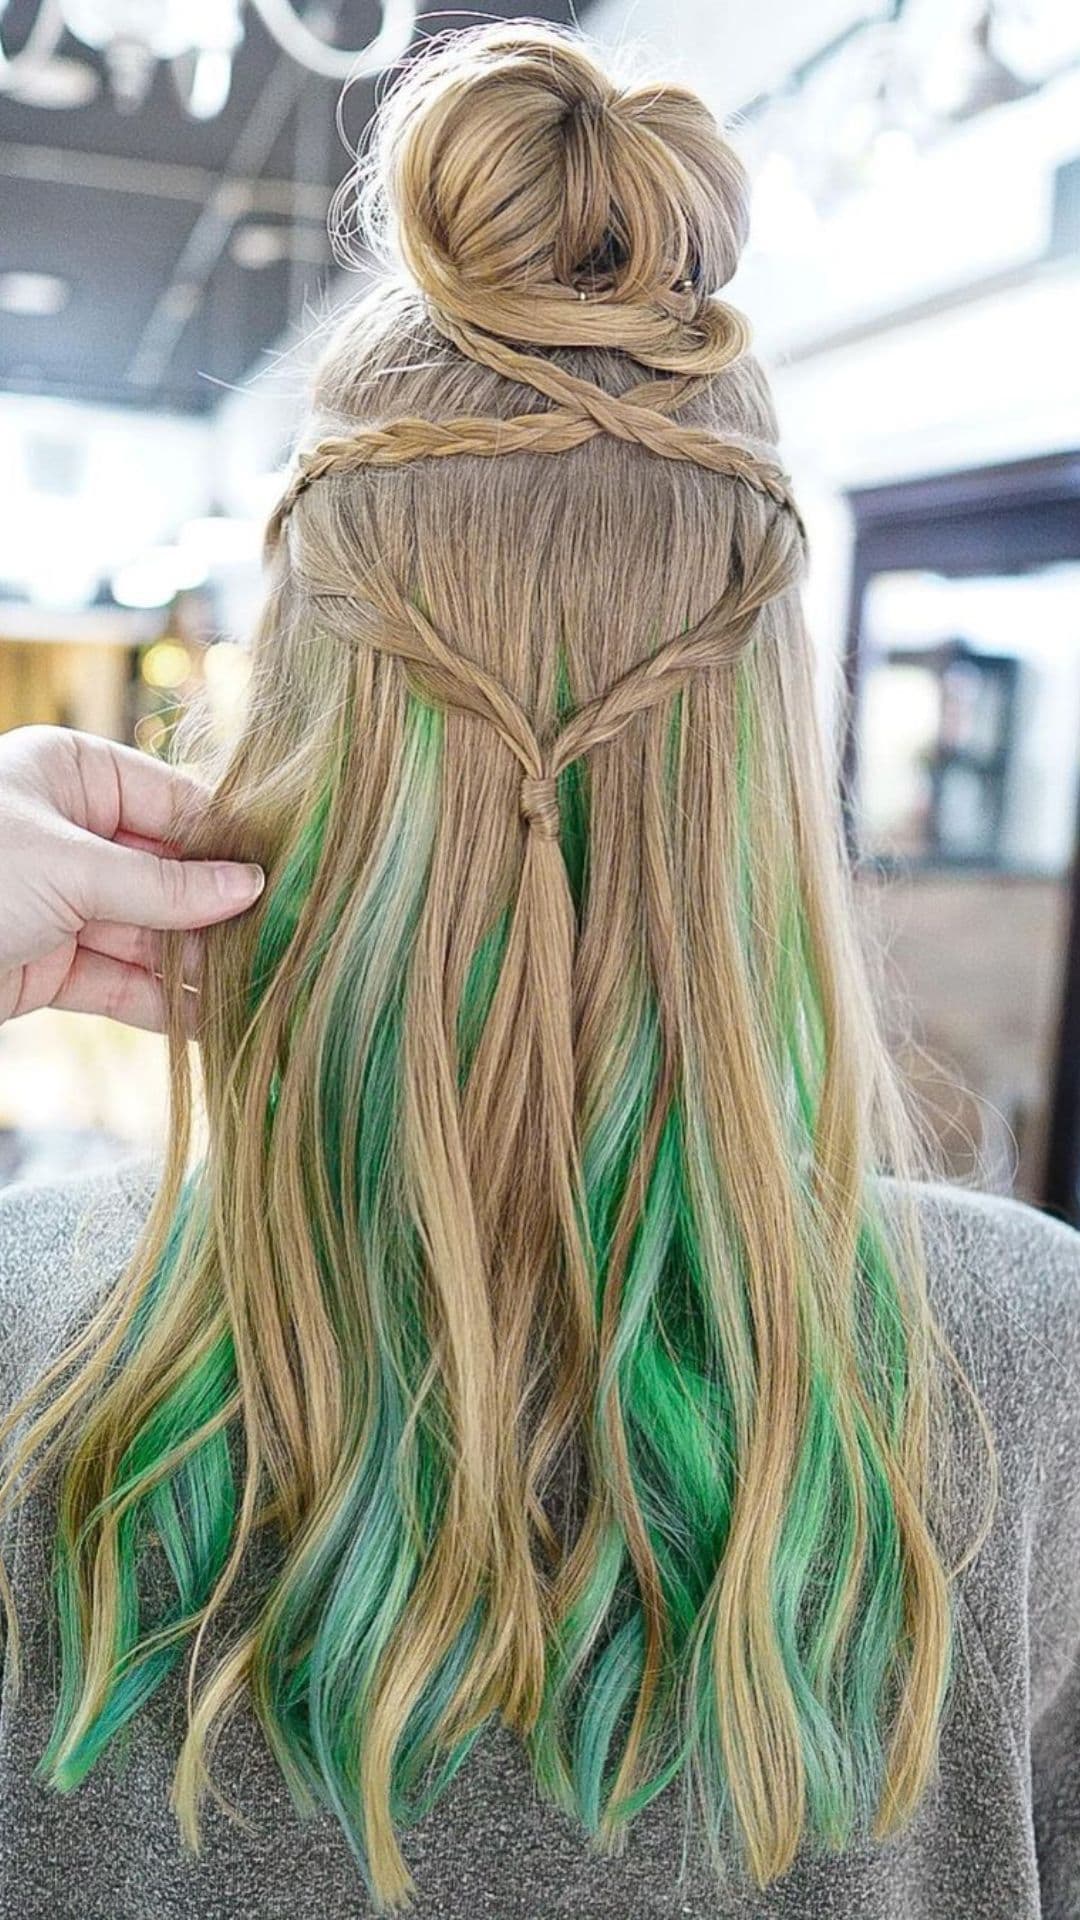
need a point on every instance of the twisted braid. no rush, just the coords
(581, 411)
(387, 621)
(632, 416)
(698, 345)
(714, 641)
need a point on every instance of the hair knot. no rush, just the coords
(539, 804)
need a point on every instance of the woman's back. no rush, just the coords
(996, 1838)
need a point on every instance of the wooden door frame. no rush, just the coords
(1010, 518)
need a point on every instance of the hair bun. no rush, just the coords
(511, 176)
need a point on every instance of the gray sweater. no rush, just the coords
(997, 1837)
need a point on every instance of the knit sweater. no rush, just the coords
(997, 1836)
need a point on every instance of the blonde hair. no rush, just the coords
(545, 1094)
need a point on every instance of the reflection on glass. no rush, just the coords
(969, 719)
(968, 760)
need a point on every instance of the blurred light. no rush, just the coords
(55, 577)
(166, 664)
(1035, 38)
(156, 577)
(36, 295)
(963, 75)
(131, 72)
(227, 668)
(265, 489)
(892, 155)
(227, 672)
(218, 540)
(856, 129)
(181, 299)
(53, 83)
(259, 244)
(783, 218)
(210, 83)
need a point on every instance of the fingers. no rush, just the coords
(136, 888)
(145, 843)
(96, 983)
(126, 791)
(140, 947)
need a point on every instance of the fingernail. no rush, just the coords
(242, 882)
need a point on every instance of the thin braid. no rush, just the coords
(714, 641)
(581, 411)
(413, 438)
(671, 327)
(721, 344)
(387, 621)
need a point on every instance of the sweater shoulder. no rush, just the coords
(62, 1244)
(1003, 1280)
(1003, 1274)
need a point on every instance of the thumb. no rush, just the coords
(141, 889)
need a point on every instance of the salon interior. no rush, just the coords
(169, 262)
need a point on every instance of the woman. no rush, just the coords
(551, 1330)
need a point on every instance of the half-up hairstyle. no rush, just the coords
(535, 1296)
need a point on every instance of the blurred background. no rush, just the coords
(913, 282)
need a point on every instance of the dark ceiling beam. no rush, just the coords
(209, 236)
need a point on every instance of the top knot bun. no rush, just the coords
(513, 178)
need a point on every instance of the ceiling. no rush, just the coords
(143, 215)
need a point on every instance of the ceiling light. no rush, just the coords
(258, 243)
(35, 295)
(54, 83)
(198, 38)
(211, 79)
(132, 38)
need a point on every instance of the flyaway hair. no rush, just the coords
(532, 1337)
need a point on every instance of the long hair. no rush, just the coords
(534, 1292)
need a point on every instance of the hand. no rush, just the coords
(87, 879)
